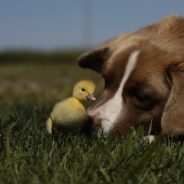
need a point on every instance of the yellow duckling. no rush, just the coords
(71, 113)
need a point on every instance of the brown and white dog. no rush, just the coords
(144, 79)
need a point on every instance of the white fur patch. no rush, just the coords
(110, 110)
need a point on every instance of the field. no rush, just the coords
(27, 155)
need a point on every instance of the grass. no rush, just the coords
(39, 56)
(28, 155)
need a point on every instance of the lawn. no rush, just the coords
(28, 155)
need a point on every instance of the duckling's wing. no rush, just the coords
(69, 113)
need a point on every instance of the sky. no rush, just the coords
(66, 24)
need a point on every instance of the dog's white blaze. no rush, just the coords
(110, 111)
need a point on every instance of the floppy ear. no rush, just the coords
(172, 121)
(94, 59)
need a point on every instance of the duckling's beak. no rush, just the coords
(90, 96)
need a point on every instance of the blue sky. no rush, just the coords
(57, 24)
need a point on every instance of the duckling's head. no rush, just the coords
(84, 90)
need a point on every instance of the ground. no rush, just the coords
(29, 155)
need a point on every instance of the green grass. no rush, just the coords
(39, 56)
(28, 155)
(44, 82)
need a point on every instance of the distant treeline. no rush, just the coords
(37, 57)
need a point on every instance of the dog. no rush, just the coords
(143, 74)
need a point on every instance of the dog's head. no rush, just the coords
(144, 79)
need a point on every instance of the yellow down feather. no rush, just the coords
(71, 113)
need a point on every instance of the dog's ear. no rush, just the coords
(172, 121)
(94, 59)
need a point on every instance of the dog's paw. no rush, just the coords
(150, 138)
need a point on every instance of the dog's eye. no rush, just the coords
(143, 101)
(143, 98)
(140, 97)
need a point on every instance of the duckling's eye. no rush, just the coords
(83, 89)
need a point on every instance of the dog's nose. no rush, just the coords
(95, 116)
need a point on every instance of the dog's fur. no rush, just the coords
(144, 79)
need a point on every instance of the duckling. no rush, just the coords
(70, 114)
